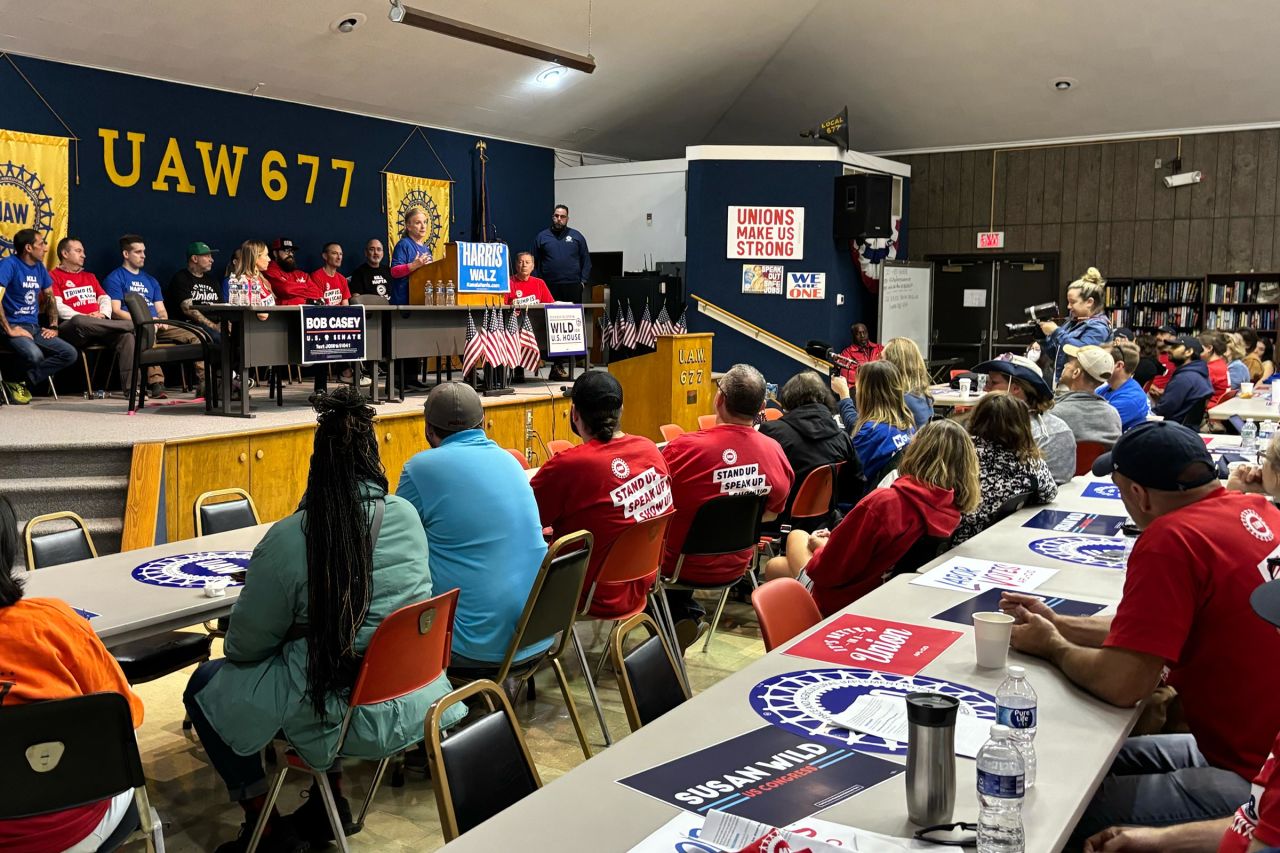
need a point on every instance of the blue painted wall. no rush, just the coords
(714, 185)
(520, 177)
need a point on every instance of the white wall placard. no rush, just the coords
(806, 285)
(766, 233)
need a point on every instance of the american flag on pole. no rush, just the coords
(501, 347)
(631, 333)
(473, 351)
(647, 335)
(682, 326)
(530, 355)
(616, 330)
(513, 340)
(605, 327)
(663, 325)
(487, 343)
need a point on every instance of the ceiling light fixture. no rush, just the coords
(402, 14)
(348, 22)
(551, 76)
(1062, 84)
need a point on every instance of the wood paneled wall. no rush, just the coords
(1106, 205)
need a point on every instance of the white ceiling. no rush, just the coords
(916, 74)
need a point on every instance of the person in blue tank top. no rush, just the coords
(879, 420)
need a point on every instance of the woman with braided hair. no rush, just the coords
(315, 592)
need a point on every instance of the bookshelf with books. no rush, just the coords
(1145, 304)
(1233, 300)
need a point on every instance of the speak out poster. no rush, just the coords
(762, 278)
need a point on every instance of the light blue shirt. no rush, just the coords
(483, 535)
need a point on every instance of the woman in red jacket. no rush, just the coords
(937, 482)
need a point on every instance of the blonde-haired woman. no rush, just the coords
(410, 254)
(937, 482)
(903, 354)
(1086, 324)
(248, 264)
(877, 417)
(1237, 370)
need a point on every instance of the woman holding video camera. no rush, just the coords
(1086, 323)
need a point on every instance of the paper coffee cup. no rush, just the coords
(964, 387)
(1246, 390)
(991, 632)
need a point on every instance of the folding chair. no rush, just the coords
(706, 421)
(481, 767)
(723, 525)
(772, 414)
(648, 676)
(1086, 453)
(784, 608)
(64, 753)
(408, 651)
(558, 445)
(634, 556)
(671, 431)
(813, 500)
(524, 463)
(141, 660)
(1010, 506)
(549, 613)
(220, 516)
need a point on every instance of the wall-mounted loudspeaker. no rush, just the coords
(863, 206)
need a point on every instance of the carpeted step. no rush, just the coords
(50, 459)
(99, 496)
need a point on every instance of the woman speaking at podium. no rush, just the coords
(410, 254)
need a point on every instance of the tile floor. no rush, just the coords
(197, 816)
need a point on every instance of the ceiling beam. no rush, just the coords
(490, 38)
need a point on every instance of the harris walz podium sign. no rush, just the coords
(332, 333)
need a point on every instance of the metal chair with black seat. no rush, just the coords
(549, 614)
(635, 556)
(64, 753)
(407, 652)
(142, 660)
(1195, 415)
(925, 549)
(221, 516)
(1086, 453)
(729, 524)
(1010, 506)
(649, 678)
(147, 353)
(481, 767)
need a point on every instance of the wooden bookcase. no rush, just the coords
(1146, 304)
(1233, 300)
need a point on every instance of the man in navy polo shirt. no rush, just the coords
(564, 264)
(24, 283)
(130, 278)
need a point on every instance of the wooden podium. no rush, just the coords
(443, 270)
(669, 386)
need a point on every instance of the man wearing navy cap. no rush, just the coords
(1189, 383)
(1202, 553)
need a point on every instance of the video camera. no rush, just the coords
(1036, 314)
(823, 350)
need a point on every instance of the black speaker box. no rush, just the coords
(863, 205)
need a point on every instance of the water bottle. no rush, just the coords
(429, 294)
(1016, 708)
(1265, 433)
(1249, 436)
(450, 295)
(1000, 792)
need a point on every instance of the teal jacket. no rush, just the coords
(261, 689)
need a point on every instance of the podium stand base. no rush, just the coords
(497, 392)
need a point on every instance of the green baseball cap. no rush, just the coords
(198, 248)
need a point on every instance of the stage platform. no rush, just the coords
(75, 421)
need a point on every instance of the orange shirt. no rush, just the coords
(48, 651)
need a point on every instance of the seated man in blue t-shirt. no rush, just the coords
(129, 278)
(1122, 390)
(24, 285)
(484, 536)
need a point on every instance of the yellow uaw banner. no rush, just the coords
(34, 188)
(404, 193)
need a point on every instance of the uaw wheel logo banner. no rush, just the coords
(33, 188)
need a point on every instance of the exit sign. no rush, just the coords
(990, 239)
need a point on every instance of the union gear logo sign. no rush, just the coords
(404, 193)
(192, 571)
(33, 188)
(1256, 526)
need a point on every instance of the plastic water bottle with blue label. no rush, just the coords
(1001, 787)
(1016, 708)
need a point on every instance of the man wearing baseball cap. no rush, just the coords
(194, 285)
(1090, 417)
(1255, 823)
(1202, 553)
(1189, 384)
(483, 533)
(291, 285)
(1022, 379)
